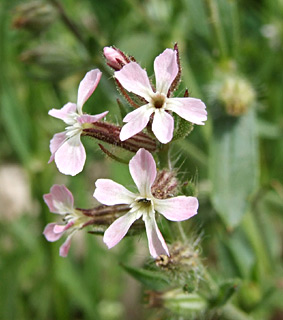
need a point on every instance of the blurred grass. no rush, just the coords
(34, 281)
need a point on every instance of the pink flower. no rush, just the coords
(143, 204)
(66, 147)
(134, 79)
(60, 200)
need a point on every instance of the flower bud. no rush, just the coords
(51, 61)
(183, 258)
(232, 90)
(110, 133)
(165, 185)
(34, 16)
(249, 295)
(178, 301)
(237, 95)
(115, 58)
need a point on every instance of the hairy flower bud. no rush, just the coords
(115, 58)
(232, 90)
(237, 95)
(165, 184)
(51, 61)
(178, 301)
(110, 133)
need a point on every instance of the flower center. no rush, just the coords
(144, 201)
(159, 100)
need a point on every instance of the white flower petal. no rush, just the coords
(137, 121)
(86, 118)
(134, 79)
(64, 112)
(110, 193)
(165, 69)
(64, 249)
(156, 243)
(190, 109)
(59, 200)
(70, 157)
(49, 233)
(163, 126)
(143, 171)
(118, 229)
(55, 143)
(177, 208)
(87, 86)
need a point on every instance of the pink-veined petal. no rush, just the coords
(190, 109)
(143, 171)
(70, 157)
(134, 79)
(137, 121)
(163, 126)
(166, 70)
(86, 118)
(87, 86)
(59, 200)
(156, 242)
(118, 229)
(55, 143)
(64, 249)
(64, 112)
(110, 193)
(49, 233)
(177, 208)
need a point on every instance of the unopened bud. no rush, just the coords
(249, 295)
(183, 257)
(50, 61)
(237, 95)
(165, 185)
(110, 133)
(34, 16)
(183, 265)
(115, 58)
(178, 301)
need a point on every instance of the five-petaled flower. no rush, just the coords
(60, 200)
(66, 147)
(134, 79)
(143, 204)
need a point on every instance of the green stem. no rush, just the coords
(230, 312)
(163, 157)
(194, 152)
(252, 231)
(218, 29)
(235, 28)
(182, 232)
(68, 22)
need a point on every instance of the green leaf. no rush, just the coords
(151, 279)
(233, 166)
(226, 291)
(16, 123)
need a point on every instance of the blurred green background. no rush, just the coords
(232, 57)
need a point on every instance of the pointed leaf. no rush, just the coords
(233, 166)
(151, 279)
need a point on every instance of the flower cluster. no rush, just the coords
(66, 147)
(154, 106)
